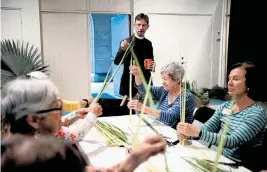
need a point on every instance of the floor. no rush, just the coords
(96, 87)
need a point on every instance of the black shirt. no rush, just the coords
(143, 50)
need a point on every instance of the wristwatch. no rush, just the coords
(200, 134)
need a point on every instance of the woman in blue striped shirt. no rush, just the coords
(247, 118)
(168, 95)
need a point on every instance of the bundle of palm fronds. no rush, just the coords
(201, 165)
(18, 60)
(113, 135)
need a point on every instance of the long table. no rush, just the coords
(100, 155)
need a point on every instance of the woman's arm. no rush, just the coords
(77, 131)
(246, 131)
(151, 146)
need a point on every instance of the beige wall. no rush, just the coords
(29, 30)
(65, 49)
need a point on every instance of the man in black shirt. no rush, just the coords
(143, 50)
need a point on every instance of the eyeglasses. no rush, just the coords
(53, 109)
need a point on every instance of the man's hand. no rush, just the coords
(124, 45)
(152, 66)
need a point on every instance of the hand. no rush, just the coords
(187, 129)
(91, 99)
(81, 113)
(96, 109)
(134, 70)
(135, 104)
(124, 45)
(151, 146)
(180, 136)
(152, 65)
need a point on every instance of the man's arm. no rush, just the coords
(119, 56)
(121, 51)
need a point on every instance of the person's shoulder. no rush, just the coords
(147, 40)
(257, 108)
(190, 95)
(128, 39)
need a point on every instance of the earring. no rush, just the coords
(247, 89)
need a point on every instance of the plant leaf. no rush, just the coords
(17, 60)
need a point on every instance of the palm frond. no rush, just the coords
(18, 60)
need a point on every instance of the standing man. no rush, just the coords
(143, 50)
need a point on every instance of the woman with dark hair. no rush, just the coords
(247, 118)
(27, 154)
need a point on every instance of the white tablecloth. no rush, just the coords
(100, 155)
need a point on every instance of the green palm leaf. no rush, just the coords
(18, 60)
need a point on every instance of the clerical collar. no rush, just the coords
(139, 37)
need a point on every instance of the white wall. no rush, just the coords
(182, 28)
(65, 35)
(217, 39)
(30, 26)
(175, 6)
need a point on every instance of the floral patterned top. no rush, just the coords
(78, 130)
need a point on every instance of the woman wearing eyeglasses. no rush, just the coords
(31, 107)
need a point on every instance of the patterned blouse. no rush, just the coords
(76, 132)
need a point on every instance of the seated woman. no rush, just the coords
(32, 108)
(68, 106)
(247, 118)
(27, 154)
(110, 107)
(168, 95)
(18, 94)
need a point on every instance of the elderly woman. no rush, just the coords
(168, 95)
(76, 133)
(247, 118)
(25, 103)
(32, 108)
(68, 106)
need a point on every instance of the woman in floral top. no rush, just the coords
(76, 131)
(31, 107)
(82, 123)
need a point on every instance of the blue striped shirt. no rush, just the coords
(170, 113)
(245, 128)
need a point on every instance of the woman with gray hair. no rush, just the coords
(168, 95)
(32, 108)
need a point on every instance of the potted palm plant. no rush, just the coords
(19, 59)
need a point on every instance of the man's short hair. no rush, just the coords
(142, 16)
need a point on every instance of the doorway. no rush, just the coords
(106, 33)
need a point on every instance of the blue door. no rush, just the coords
(119, 31)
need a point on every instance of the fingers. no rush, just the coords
(133, 104)
(96, 109)
(157, 148)
(153, 139)
(133, 70)
(124, 45)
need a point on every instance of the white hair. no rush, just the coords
(37, 75)
(22, 97)
(174, 70)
